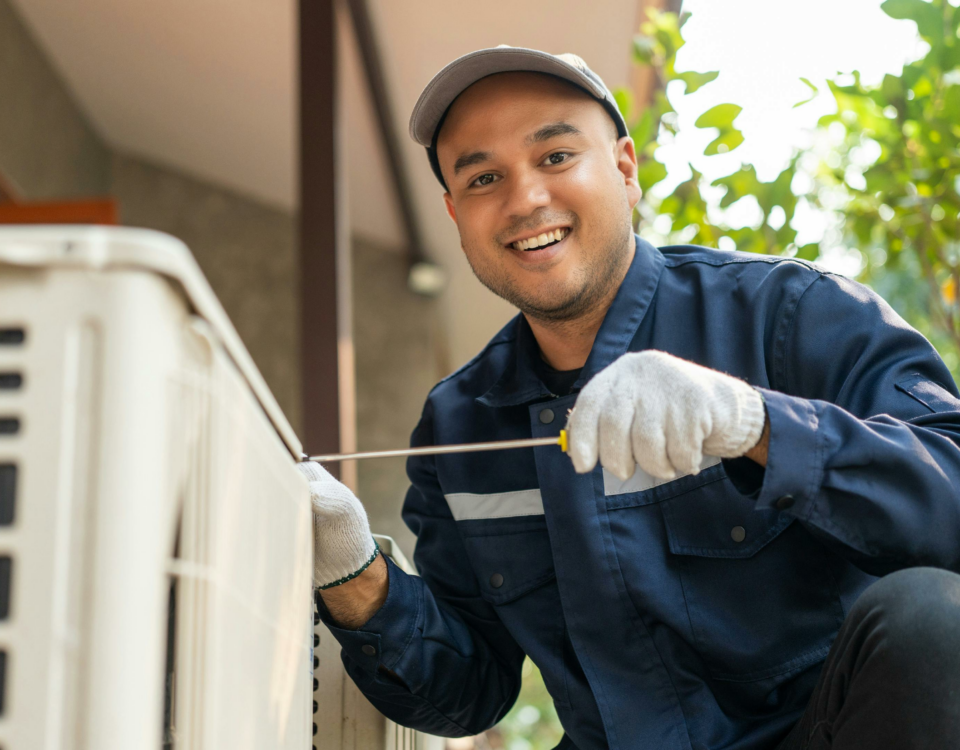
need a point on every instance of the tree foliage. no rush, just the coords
(886, 170)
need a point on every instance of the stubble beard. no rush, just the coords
(593, 284)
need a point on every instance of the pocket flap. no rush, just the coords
(510, 563)
(932, 395)
(717, 521)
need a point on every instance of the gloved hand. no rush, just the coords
(343, 546)
(663, 413)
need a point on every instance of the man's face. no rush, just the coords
(524, 155)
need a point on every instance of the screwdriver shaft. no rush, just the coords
(431, 450)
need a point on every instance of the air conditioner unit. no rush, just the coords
(155, 536)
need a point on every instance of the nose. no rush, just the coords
(526, 192)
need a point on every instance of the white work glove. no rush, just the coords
(663, 413)
(342, 544)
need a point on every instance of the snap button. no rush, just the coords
(785, 502)
(369, 650)
(546, 416)
(496, 580)
(738, 533)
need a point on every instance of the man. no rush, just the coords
(771, 439)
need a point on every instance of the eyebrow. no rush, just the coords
(468, 160)
(552, 131)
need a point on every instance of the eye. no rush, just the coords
(558, 157)
(483, 180)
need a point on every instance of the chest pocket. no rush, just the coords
(510, 556)
(513, 563)
(762, 603)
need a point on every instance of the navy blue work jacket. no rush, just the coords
(695, 613)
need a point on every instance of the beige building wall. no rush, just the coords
(47, 148)
(399, 358)
(248, 251)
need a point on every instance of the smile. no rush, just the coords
(541, 240)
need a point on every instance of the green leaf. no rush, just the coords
(892, 88)
(951, 104)
(740, 183)
(644, 49)
(669, 40)
(695, 80)
(643, 132)
(624, 99)
(813, 93)
(922, 88)
(720, 116)
(926, 15)
(724, 143)
(649, 173)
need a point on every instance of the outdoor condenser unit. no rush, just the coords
(155, 536)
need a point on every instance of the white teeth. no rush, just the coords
(554, 235)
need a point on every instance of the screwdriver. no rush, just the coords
(432, 450)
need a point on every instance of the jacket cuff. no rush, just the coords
(794, 471)
(384, 638)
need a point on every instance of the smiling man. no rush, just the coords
(755, 544)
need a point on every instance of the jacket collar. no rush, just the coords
(520, 384)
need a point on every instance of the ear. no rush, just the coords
(448, 204)
(626, 157)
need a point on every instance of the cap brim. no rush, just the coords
(463, 72)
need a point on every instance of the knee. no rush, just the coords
(916, 611)
(925, 588)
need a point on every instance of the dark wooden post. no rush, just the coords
(320, 268)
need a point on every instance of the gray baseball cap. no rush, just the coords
(431, 108)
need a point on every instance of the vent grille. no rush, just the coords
(10, 380)
(12, 336)
(8, 493)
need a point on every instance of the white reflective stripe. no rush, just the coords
(466, 505)
(641, 481)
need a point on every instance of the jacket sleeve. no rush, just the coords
(441, 661)
(864, 433)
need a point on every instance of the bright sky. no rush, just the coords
(761, 49)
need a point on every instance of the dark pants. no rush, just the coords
(892, 677)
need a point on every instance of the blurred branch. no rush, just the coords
(386, 122)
